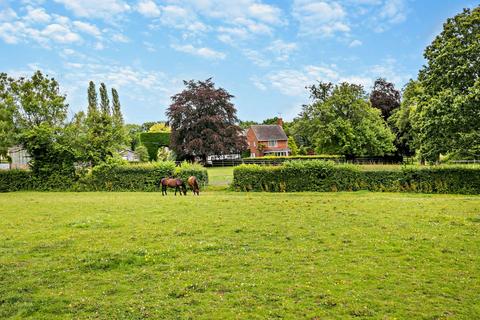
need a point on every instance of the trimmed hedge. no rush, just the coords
(106, 177)
(154, 140)
(326, 176)
(15, 180)
(299, 157)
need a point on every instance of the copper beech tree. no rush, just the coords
(204, 122)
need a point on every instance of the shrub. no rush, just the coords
(318, 175)
(142, 153)
(192, 169)
(105, 177)
(15, 180)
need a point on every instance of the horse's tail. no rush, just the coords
(195, 184)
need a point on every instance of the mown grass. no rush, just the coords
(227, 255)
(220, 176)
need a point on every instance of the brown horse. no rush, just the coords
(176, 183)
(193, 184)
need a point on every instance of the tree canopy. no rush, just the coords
(385, 97)
(204, 122)
(447, 114)
(341, 121)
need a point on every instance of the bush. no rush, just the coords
(15, 180)
(318, 175)
(296, 157)
(192, 169)
(105, 177)
(142, 153)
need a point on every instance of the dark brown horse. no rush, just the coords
(176, 183)
(193, 184)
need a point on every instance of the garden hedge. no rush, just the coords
(326, 176)
(154, 140)
(139, 177)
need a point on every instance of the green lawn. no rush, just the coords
(228, 255)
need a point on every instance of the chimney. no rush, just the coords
(280, 122)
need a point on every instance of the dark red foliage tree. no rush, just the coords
(204, 122)
(385, 97)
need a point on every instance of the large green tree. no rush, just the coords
(401, 119)
(447, 118)
(204, 121)
(106, 131)
(7, 109)
(40, 120)
(341, 121)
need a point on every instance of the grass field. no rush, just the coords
(220, 176)
(228, 255)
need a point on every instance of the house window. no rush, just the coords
(272, 143)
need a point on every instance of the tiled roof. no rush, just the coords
(269, 132)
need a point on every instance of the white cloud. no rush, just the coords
(106, 9)
(38, 15)
(256, 57)
(8, 14)
(8, 33)
(292, 82)
(148, 8)
(265, 13)
(355, 43)
(87, 28)
(179, 18)
(320, 18)
(59, 33)
(201, 52)
(118, 37)
(393, 11)
(282, 49)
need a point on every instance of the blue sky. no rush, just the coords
(263, 52)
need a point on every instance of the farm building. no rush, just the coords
(267, 140)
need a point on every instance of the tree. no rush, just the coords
(105, 127)
(92, 99)
(342, 121)
(246, 124)
(204, 121)
(133, 135)
(385, 97)
(104, 101)
(159, 127)
(7, 109)
(447, 115)
(40, 119)
(401, 119)
(292, 145)
(116, 112)
(142, 153)
(119, 132)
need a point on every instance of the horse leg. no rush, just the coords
(176, 187)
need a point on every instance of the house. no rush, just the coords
(267, 140)
(19, 157)
(129, 155)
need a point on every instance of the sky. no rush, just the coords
(263, 52)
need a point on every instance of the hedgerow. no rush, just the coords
(154, 140)
(318, 175)
(105, 177)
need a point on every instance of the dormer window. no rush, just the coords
(272, 143)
